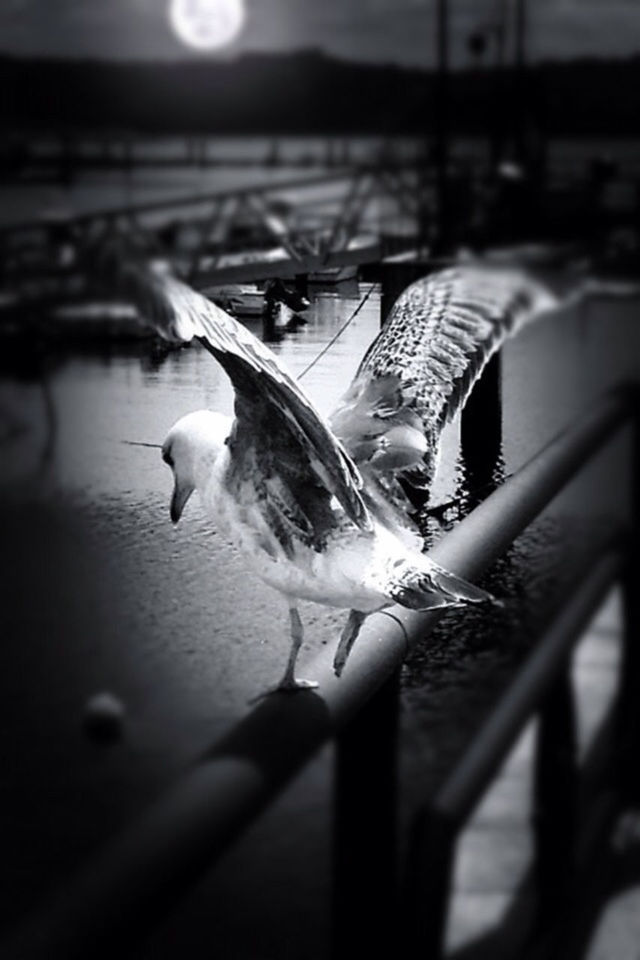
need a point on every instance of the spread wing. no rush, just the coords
(278, 438)
(421, 367)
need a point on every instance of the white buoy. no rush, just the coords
(104, 716)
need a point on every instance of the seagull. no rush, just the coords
(320, 509)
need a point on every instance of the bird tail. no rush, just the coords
(430, 586)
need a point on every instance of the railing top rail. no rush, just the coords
(176, 842)
(459, 795)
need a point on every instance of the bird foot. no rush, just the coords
(286, 685)
(342, 653)
(292, 686)
(338, 666)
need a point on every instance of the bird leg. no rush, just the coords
(290, 683)
(347, 639)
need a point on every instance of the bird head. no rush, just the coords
(192, 449)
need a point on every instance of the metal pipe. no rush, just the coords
(435, 827)
(481, 430)
(629, 699)
(520, 39)
(520, 111)
(461, 792)
(430, 861)
(442, 120)
(556, 777)
(119, 895)
(364, 831)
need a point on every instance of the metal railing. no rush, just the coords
(124, 893)
(542, 687)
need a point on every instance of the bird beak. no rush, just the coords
(181, 493)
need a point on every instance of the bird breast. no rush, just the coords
(335, 576)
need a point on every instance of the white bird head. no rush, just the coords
(192, 449)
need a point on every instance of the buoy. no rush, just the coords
(103, 717)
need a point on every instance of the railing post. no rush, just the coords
(555, 802)
(427, 891)
(481, 431)
(395, 278)
(364, 883)
(629, 702)
(301, 283)
(441, 144)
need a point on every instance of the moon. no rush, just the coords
(206, 24)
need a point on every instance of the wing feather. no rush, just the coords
(439, 335)
(429, 586)
(276, 422)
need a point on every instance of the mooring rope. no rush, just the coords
(339, 333)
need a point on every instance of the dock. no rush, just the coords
(314, 225)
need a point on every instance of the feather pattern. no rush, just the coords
(420, 369)
(427, 585)
(313, 523)
(276, 423)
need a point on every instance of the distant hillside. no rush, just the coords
(310, 92)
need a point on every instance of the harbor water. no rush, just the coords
(101, 593)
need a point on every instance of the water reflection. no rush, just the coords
(136, 390)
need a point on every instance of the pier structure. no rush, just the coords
(312, 225)
(64, 155)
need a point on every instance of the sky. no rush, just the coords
(382, 31)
